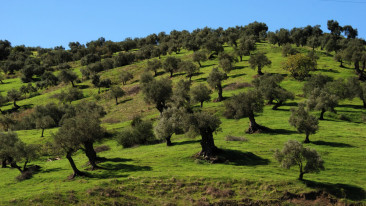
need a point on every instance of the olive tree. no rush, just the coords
(80, 132)
(13, 150)
(125, 76)
(259, 60)
(189, 68)
(323, 101)
(181, 97)
(247, 44)
(7, 143)
(226, 62)
(6, 120)
(170, 122)
(70, 95)
(293, 153)
(215, 79)
(158, 92)
(269, 85)
(303, 121)
(357, 89)
(28, 89)
(67, 76)
(14, 95)
(299, 66)
(44, 123)
(154, 65)
(139, 133)
(201, 93)
(49, 79)
(116, 92)
(1, 78)
(171, 65)
(2, 101)
(317, 81)
(355, 52)
(245, 105)
(205, 125)
(199, 56)
(65, 142)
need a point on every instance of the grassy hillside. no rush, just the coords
(157, 174)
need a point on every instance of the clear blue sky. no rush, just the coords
(49, 23)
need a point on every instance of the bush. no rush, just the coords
(24, 176)
(90, 58)
(140, 133)
(299, 66)
(70, 95)
(233, 138)
(102, 148)
(288, 50)
(123, 59)
(344, 117)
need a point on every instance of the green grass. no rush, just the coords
(158, 174)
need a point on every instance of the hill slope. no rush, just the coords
(156, 174)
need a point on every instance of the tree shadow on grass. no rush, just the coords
(52, 170)
(339, 190)
(27, 106)
(328, 70)
(202, 79)
(114, 170)
(237, 75)
(178, 74)
(117, 159)
(238, 67)
(239, 158)
(135, 81)
(281, 109)
(280, 131)
(186, 142)
(208, 65)
(125, 167)
(331, 144)
(350, 106)
(83, 86)
(159, 73)
(124, 101)
(291, 104)
(197, 74)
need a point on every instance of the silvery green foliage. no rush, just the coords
(303, 121)
(293, 153)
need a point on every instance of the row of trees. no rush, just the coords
(210, 40)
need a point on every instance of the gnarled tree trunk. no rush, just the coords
(260, 70)
(13, 164)
(208, 145)
(278, 104)
(219, 89)
(322, 114)
(73, 166)
(301, 176)
(307, 140)
(91, 154)
(253, 126)
(168, 141)
(3, 163)
(15, 104)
